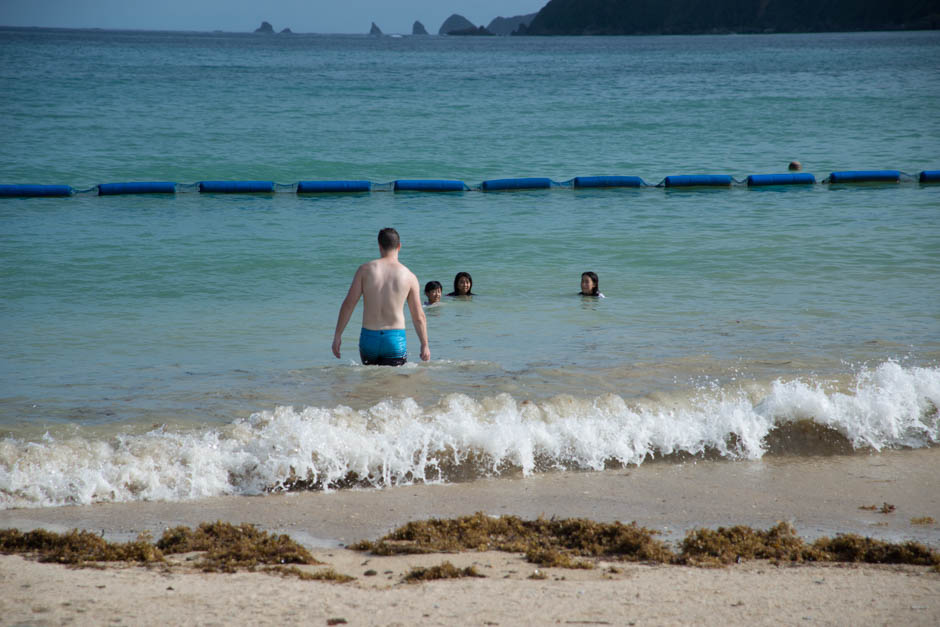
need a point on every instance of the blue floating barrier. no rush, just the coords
(35, 190)
(608, 181)
(759, 180)
(697, 180)
(113, 189)
(235, 187)
(329, 187)
(429, 185)
(929, 176)
(866, 176)
(523, 183)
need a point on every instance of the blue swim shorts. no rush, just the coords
(382, 348)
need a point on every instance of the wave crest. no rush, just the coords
(459, 438)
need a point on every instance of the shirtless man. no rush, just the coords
(384, 284)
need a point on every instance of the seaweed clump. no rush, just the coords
(728, 545)
(851, 547)
(558, 543)
(328, 574)
(706, 547)
(77, 548)
(445, 570)
(229, 547)
(545, 542)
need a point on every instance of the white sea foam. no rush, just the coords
(398, 441)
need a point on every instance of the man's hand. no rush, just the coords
(425, 353)
(336, 342)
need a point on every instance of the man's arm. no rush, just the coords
(417, 317)
(346, 310)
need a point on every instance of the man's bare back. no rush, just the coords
(384, 284)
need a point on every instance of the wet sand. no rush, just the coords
(818, 495)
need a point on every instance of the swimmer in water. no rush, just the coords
(433, 291)
(589, 284)
(463, 285)
(384, 285)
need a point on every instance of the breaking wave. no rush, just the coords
(459, 438)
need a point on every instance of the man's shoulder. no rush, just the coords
(369, 266)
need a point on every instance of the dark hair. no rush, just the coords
(459, 276)
(433, 285)
(388, 239)
(593, 277)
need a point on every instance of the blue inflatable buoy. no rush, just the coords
(866, 176)
(801, 178)
(429, 185)
(113, 189)
(326, 187)
(608, 181)
(697, 180)
(523, 183)
(235, 187)
(929, 176)
(35, 190)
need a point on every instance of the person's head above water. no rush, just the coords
(463, 285)
(795, 166)
(389, 240)
(433, 291)
(589, 284)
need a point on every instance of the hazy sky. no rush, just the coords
(301, 16)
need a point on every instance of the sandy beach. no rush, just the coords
(818, 496)
(752, 593)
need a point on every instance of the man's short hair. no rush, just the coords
(388, 239)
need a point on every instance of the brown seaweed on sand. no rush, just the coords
(544, 541)
(446, 570)
(558, 542)
(707, 547)
(727, 545)
(328, 574)
(77, 548)
(229, 547)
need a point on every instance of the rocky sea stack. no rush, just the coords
(375, 30)
(454, 23)
(265, 28)
(418, 29)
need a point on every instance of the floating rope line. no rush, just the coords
(445, 185)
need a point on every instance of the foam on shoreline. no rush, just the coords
(399, 442)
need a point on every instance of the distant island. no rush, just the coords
(675, 17)
(692, 17)
(267, 29)
(455, 23)
(507, 25)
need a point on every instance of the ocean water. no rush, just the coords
(178, 346)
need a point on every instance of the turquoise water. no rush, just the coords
(174, 346)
